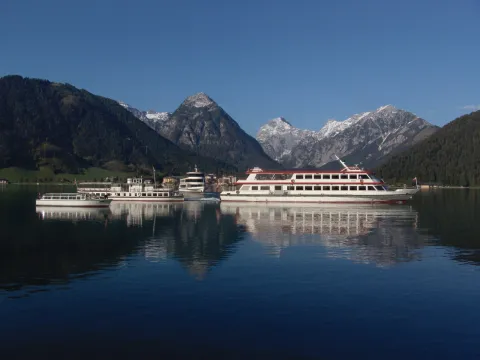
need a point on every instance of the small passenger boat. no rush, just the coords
(72, 200)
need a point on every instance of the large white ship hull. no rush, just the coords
(388, 197)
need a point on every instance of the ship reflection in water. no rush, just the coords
(383, 235)
(194, 233)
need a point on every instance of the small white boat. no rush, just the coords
(72, 200)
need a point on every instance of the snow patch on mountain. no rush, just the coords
(371, 135)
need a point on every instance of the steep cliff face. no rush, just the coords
(200, 125)
(367, 138)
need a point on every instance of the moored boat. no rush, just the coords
(193, 185)
(136, 189)
(72, 200)
(352, 184)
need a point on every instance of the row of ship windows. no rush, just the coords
(333, 176)
(311, 176)
(62, 197)
(317, 188)
(155, 194)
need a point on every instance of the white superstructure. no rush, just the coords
(136, 189)
(194, 182)
(349, 185)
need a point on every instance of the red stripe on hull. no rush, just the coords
(299, 171)
(301, 183)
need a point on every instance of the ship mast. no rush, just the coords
(341, 162)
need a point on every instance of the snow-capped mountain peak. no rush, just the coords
(199, 100)
(371, 135)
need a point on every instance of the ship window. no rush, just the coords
(326, 188)
(379, 187)
(318, 176)
(317, 188)
(299, 177)
(335, 188)
(290, 187)
(371, 188)
(278, 187)
(334, 176)
(344, 176)
(353, 176)
(299, 187)
(353, 188)
(343, 187)
(143, 194)
(308, 188)
(264, 187)
(363, 176)
(326, 176)
(48, 197)
(245, 187)
(254, 187)
(155, 194)
(308, 176)
(362, 188)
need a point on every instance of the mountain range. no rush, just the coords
(47, 124)
(366, 138)
(200, 125)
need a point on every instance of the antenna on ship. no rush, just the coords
(341, 162)
(154, 179)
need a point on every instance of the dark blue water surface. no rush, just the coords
(239, 281)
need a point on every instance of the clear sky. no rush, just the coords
(307, 61)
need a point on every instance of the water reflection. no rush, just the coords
(57, 245)
(383, 235)
(452, 216)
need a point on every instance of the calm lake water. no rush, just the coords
(240, 281)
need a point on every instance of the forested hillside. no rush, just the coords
(451, 156)
(45, 124)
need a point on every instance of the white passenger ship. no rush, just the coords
(136, 189)
(72, 200)
(193, 183)
(349, 185)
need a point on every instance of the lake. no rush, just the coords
(238, 281)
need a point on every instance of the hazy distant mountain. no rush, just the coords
(366, 138)
(152, 118)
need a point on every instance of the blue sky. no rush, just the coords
(307, 61)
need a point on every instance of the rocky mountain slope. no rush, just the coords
(367, 138)
(45, 124)
(200, 125)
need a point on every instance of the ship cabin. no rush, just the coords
(350, 179)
